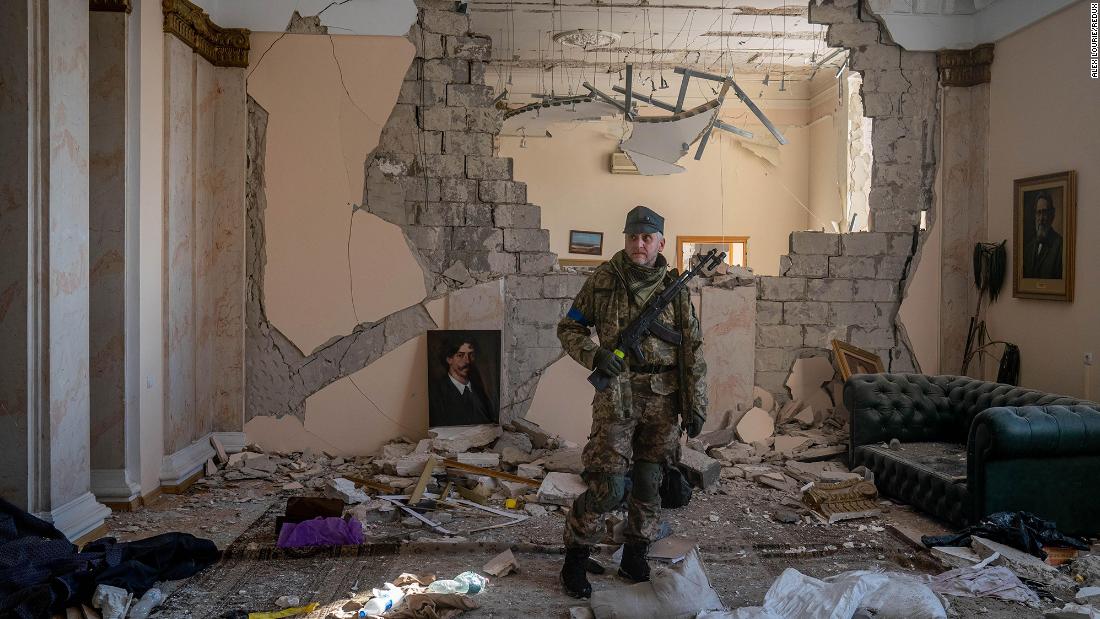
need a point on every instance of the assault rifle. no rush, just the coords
(630, 339)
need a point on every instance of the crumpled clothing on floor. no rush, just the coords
(1021, 530)
(41, 572)
(321, 532)
(433, 606)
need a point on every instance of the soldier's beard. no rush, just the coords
(1042, 231)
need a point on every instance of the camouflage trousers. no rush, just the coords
(642, 443)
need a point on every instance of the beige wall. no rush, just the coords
(731, 191)
(330, 266)
(1043, 119)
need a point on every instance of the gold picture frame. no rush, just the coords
(727, 245)
(854, 360)
(1044, 270)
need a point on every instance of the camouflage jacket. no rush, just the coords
(604, 303)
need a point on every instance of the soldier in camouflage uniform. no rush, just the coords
(636, 421)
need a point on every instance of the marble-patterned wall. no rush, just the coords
(107, 250)
(179, 170)
(13, 238)
(68, 251)
(963, 211)
(204, 246)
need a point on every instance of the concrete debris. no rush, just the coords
(806, 417)
(501, 565)
(717, 438)
(1022, 564)
(540, 439)
(561, 488)
(345, 490)
(535, 510)
(515, 440)
(211, 468)
(954, 556)
(1086, 569)
(219, 450)
(756, 425)
(581, 612)
(288, 601)
(791, 444)
(531, 471)
(393, 451)
(457, 439)
(763, 399)
(736, 453)
(788, 411)
(701, 470)
(564, 461)
(486, 460)
(514, 456)
(112, 602)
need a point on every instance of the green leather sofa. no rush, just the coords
(969, 448)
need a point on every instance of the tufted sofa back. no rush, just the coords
(918, 408)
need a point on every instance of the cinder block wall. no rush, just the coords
(849, 287)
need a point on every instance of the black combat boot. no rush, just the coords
(633, 565)
(573, 578)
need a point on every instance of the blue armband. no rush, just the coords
(576, 315)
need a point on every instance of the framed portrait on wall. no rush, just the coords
(1044, 235)
(463, 377)
(585, 242)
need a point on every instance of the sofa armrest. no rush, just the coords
(1040, 459)
(1033, 431)
(908, 407)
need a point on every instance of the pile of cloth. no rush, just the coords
(42, 572)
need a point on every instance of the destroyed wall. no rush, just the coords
(347, 273)
(724, 193)
(849, 287)
(345, 282)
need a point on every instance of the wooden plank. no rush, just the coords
(477, 470)
(422, 484)
(372, 485)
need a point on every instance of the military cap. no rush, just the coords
(641, 220)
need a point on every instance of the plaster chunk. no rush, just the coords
(755, 426)
(808, 376)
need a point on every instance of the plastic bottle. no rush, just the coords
(384, 599)
(468, 583)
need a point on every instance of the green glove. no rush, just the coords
(695, 425)
(609, 363)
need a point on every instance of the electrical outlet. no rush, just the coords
(1088, 358)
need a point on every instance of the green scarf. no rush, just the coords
(640, 280)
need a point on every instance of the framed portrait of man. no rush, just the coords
(1044, 236)
(463, 377)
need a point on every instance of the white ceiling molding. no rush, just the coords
(363, 17)
(930, 25)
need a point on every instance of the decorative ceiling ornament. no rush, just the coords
(587, 39)
(223, 47)
(967, 67)
(110, 6)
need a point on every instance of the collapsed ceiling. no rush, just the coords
(543, 47)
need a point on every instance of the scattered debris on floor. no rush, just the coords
(793, 497)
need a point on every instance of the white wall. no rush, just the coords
(1043, 119)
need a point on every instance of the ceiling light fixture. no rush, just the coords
(586, 38)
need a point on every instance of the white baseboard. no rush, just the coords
(175, 469)
(114, 486)
(78, 517)
(232, 441)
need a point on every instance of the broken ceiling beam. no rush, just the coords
(676, 109)
(645, 99)
(683, 93)
(629, 89)
(734, 130)
(611, 100)
(740, 95)
(710, 126)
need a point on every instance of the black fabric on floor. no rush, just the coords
(1021, 530)
(41, 572)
